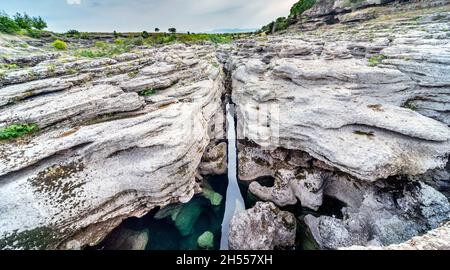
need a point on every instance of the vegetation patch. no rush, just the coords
(410, 105)
(36, 239)
(21, 23)
(104, 49)
(376, 60)
(59, 45)
(147, 92)
(283, 23)
(17, 130)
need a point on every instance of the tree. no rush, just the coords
(156, 29)
(73, 33)
(23, 21)
(39, 23)
(301, 6)
(145, 34)
(116, 36)
(172, 30)
(8, 25)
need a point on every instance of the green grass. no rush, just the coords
(8, 67)
(163, 38)
(17, 130)
(376, 60)
(59, 45)
(104, 49)
(51, 68)
(147, 92)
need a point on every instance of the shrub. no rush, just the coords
(172, 30)
(268, 28)
(119, 42)
(156, 29)
(281, 24)
(84, 35)
(137, 41)
(145, 34)
(8, 25)
(147, 92)
(301, 6)
(101, 44)
(38, 23)
(23, 21)
(87, 53)
(73, 33)
(116, 36)
(59, 45)
(34, 33)
(376, 60)
(16, 131)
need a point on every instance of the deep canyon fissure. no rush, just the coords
(342, 125)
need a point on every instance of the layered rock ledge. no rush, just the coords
(105, 150)
(352, 109)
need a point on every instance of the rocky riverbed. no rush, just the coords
(347, 104)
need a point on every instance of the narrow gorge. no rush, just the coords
(330, 134)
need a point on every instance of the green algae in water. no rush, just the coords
(179, 226)
(214, 197)
(187, 216)
(206, 240)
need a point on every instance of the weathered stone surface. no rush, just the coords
(103, 153)
(292, 185)
(214, 161)
(437, 239)
(359, 115)
(391, 219)
(262, 227)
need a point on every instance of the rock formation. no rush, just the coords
(438, 239)
(263, 227)
(103, 152)
(354, 107)
(352, 102)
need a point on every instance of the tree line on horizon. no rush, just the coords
(21, 23)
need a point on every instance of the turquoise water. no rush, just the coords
(182, 232)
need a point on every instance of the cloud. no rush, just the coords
(74, 2)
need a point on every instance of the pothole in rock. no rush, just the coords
(195, 225)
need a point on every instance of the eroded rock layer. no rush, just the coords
(117, 138)
(354, 108)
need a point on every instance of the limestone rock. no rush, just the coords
(413, 210)
(214, 161)
(372, 106)
(103, 153)
(290, 186)
(437, 239)
(263, 227)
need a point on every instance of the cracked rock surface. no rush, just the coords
(103, 152)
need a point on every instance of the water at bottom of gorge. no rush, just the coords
(203, 223)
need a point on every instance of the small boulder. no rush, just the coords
(263, 227)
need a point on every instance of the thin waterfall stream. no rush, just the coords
(234, 200)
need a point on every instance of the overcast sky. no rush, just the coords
(139, 15)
